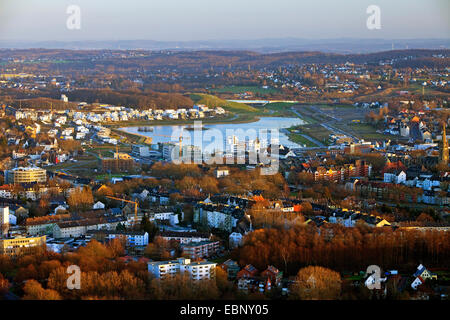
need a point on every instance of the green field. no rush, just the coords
(316, 131)
(279, 109)
(243, 89)
(363, 130)
(107, 176)
(298, 138)
(213, 101)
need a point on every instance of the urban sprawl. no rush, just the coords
(363, 180)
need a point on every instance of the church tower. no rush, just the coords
(444, 151)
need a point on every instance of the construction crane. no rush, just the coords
(136, 204)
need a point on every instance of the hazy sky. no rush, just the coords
(228, 19)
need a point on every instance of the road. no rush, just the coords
(296, 112)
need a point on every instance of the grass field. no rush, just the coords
(348, 118)
(107, 176)
(298, 138)
(279, 109)
(242, 89)
(107, 150)
(309, 115)
(213, 101)
(316, 131)
(364, 131)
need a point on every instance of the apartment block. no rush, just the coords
(202, 270)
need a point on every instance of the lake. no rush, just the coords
(262, 127)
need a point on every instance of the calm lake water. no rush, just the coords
(262, 128)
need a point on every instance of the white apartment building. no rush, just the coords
(132, 238)
(184, 237)
(202, 270)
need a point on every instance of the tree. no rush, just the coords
(182, 287)
(423, 217)
(149, 227)
(81, 198)
(306, 207)
(222, 282)
(33, 291)
(175, 198)
(305, 178)
(209, 185)
(116, 247)
(6, 264)
(159, 249)
(104, 191)
(317, 283)
(4, 285)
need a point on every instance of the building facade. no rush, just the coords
(16, 246)
(204, 249)
(25, 175)
(197, 271)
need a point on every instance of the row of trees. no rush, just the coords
(104, 275)
(343, 248)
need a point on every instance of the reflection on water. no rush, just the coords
(262, 127)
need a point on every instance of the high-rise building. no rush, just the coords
(4, 220)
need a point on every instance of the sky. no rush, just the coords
(187, 20)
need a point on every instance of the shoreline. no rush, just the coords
(237, 118)
(122, 130)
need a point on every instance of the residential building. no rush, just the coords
(220, 216)
(235, 240)
(248, 271)
(204, 249)
(231, 267)
(184, 237)
(98, 205)
(44, 225)
(273, 274)
(395, 176)
(76, 228)
(25, 175)
(19, 245)
(421, 275)
(202, 270)
(222, 172)
(130, 238)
